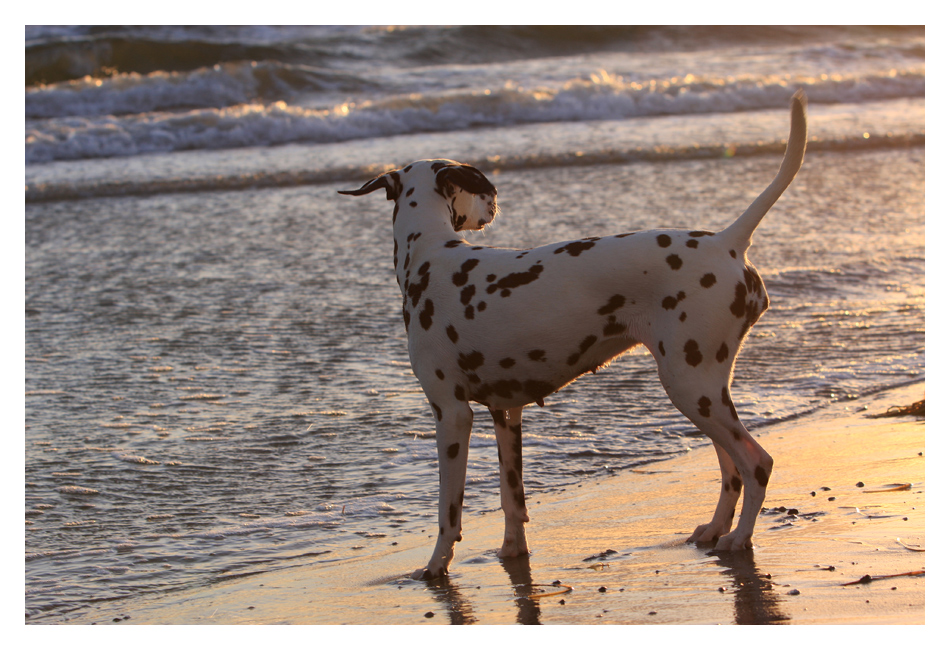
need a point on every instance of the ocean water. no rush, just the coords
(217, 381)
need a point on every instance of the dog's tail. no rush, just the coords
(740, 232)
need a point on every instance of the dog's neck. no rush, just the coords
(419, 227)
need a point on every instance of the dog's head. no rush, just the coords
(467, 192)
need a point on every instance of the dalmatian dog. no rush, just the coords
(507, 328)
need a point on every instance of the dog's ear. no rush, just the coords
(386, 180)
(465, 176)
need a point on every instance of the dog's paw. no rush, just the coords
(428, 574)
(707, 533)
(733, 542)
(515, 542)
(511, 548)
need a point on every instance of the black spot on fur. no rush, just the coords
(414, 290)
(670, 302)
(537, 390)
(736, 483)
(425, 316)
(536, 355)
(613, 328)
(438, 411)
(723, 353)
(470, 312)
(691, 243)
(467, 294)
(708, 280)
(453, 515)
(453, 335)
(727, 401)
(507, 362)
(761, 476)
(753, 283)
(738, 304)
(481, 306)
(518, 496)
(471, 361)
(504, 388)
(458, 220)
(459, 393)
(585, 345)
(704, 404)
(440, 374)
(674, 261)
(616, 302)
(576, 248)
(453, 243)
(460, 278)
(662, 350)
(513, 280)
(490, 277)
(682, 316)
(663, 240)
(453, 450)
(733, 253)
(693, 356)
(701, 233)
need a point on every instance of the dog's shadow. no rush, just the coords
(756, 601)
(519, 572)
(460, 609)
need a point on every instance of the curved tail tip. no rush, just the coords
(800, 98)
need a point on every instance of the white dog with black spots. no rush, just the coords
(506, 328)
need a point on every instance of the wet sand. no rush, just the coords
(620, 545)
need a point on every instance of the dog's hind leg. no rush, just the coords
(721, 522)
(508, 437)
(701, 393)
(453, 429)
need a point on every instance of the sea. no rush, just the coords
(216, 373)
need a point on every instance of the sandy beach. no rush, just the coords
(614, 551)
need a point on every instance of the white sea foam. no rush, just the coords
(600, 97)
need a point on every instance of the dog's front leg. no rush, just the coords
(453, 429)
(508, 436)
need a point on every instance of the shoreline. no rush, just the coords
(620, 544)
